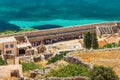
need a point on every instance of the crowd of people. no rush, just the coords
(57, 39)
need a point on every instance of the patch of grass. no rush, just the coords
(30, 66)
(2, 62)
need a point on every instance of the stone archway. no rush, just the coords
(21, 51)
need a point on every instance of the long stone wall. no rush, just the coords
(60, 30)
(68, 78)
(52, 33)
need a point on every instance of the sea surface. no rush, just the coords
(46, 14)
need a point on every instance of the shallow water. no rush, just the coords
(61, 22)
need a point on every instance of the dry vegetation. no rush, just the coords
(106, 58)
(102, 43)
(42, 63)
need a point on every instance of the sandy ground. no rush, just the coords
(42, 63)
(65, 46)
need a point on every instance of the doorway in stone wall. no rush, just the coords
(21, 51)
(15, 73)
(0, 52)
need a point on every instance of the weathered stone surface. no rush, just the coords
(5, 71)
(75, 60)
(67, 78)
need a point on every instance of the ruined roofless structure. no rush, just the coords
(107, 29)
(101, 30)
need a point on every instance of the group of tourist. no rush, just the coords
(58, 39)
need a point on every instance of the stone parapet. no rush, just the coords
(67, 78)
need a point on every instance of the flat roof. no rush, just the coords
(7, 39)
(23, 45)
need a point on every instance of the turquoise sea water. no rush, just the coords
(58, 13)
(64, 23)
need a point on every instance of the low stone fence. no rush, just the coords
(75, 60)
(47, 56)
(67, 78)
(37, 59)
(108, 49)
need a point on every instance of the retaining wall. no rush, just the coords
(75, 60)
(67, 78)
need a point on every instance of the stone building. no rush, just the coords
(106, 30)
(8, 45)
(14, 45)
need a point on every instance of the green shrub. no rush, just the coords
(2, 62)
(103, 73)
(90, 40)
(69, 70)
(57, 57)
(94, 43)
(30, 66)
(97, 73)
(87, 40)
(112, 45)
